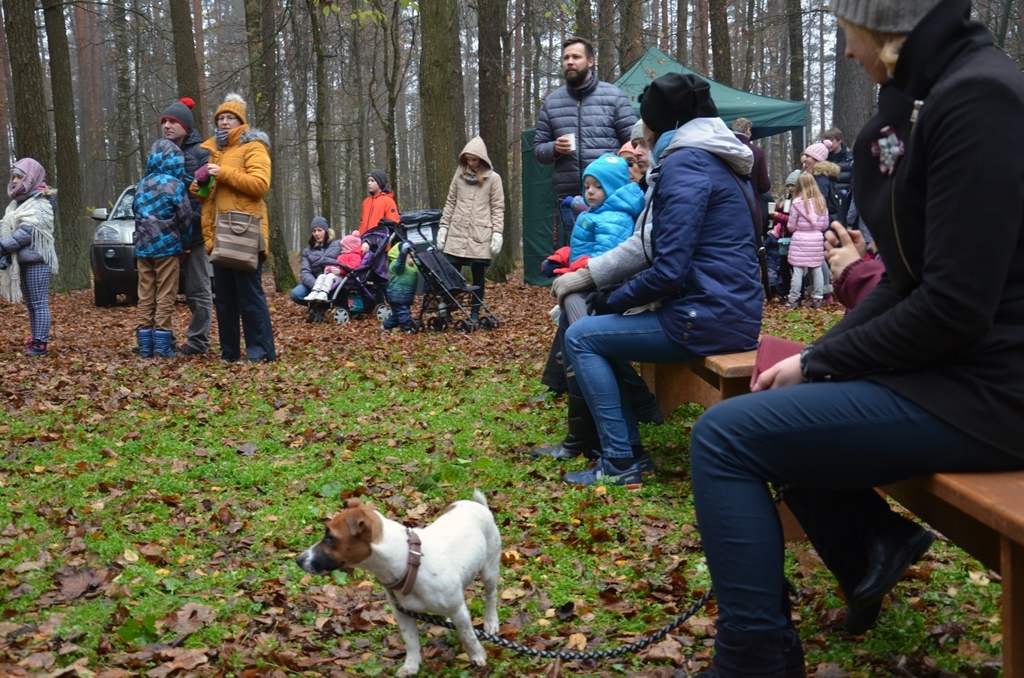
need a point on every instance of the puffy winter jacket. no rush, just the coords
(603, 228)
(473, 212)
(826, 175)
(243, 180)
(704, 264)
(315, 259)
(377, 207)
(163, 212)
(195, 157)
(808, 228)
(601, 117)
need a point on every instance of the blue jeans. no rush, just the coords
(240, 298)
(593, 345)
(400, 316)
(848, 437)
(298, 294)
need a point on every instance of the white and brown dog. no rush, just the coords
(426, 570)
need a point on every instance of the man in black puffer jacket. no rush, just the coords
(176, 123)
(597, 113)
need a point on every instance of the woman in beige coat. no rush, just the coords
(474, 217)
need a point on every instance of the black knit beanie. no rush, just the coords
(381, 177)
(181, 112)
(674, 100)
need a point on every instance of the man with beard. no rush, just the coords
(579, 122)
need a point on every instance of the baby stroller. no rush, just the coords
(445, 291)
(361, 292)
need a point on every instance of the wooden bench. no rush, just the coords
(983, 513)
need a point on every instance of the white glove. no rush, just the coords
(442, 235)
(579, 280)
(495, 243)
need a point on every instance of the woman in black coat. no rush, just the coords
(925, 375)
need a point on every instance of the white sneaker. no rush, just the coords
(311, 296)
(321, 296)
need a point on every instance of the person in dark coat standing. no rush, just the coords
(177, 125)
(925, 375)
(842, 156)
(742, 128)
(579, 122)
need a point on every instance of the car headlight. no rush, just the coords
(107, 235)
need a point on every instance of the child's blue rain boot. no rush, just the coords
(163, 344)
(145, 339)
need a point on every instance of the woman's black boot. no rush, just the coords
(581, 438)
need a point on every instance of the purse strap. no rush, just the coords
(762, 254)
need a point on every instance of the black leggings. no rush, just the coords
(479, 281)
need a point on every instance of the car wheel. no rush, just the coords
(102, 296)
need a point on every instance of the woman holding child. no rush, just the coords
(925, 375)
(701, 293)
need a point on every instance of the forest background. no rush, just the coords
(346, 86)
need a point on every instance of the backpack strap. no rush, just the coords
(762, 254)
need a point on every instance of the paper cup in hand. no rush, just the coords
(771, 207)
(572, 141)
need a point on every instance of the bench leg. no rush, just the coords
(1012, 572)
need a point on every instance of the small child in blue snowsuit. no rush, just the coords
(614, 202)
(401, 292)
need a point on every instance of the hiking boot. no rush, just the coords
(816, 303)
(35, 348)
(604, 472)
(581, 438)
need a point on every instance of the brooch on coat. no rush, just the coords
(888, 150)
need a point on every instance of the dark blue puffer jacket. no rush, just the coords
(601, 117)
(704, 263)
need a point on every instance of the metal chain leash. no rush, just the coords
(571, 655)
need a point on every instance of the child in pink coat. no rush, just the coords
(808, 221)
(350, 258)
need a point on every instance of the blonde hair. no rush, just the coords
(807, 190)
(887, 45)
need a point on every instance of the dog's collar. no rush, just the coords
(408, 580)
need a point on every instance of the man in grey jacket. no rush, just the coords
(579, 121)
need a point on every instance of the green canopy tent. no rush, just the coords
(769, 116)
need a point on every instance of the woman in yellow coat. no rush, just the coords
(240, 166)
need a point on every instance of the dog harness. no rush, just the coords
(408, 580)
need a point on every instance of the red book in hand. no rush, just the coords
(770, 351)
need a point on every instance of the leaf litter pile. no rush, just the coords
(152, 510)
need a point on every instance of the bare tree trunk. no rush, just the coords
(320, 112)
(794, 18)
(855, 93)
(721, 42)
(584, 20)
(605, 40)
(5, 119)
(197, 34)
(260, 25)
(494, 53)
(90, 106)
(123, 85)
(31, 126)
(73, 237)
(683, 34)
(749, 36)
(185, 65)
(439, 26)
(700, 37)
(631, 34)
(300, 72)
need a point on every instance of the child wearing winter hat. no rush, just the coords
(350, 258)
(614, 202)
(401, 292)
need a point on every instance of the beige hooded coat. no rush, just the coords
(473, 212)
